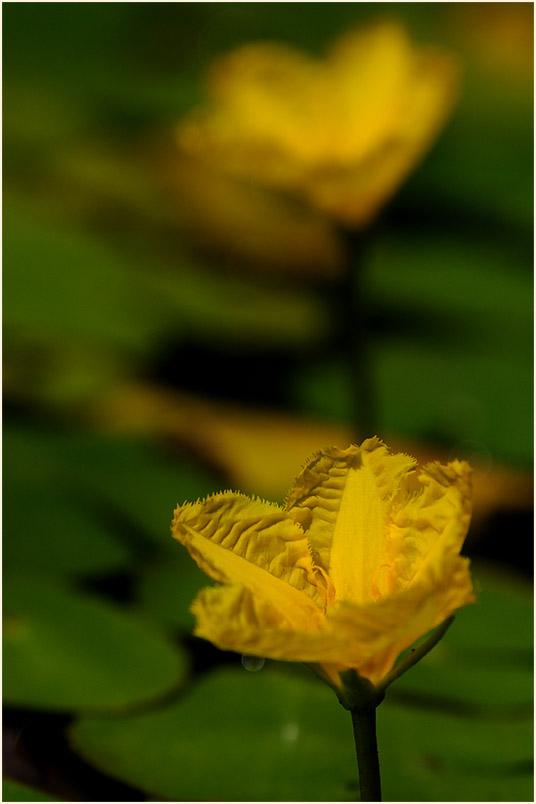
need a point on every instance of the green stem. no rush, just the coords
(354, 336)
(364, 723)
(415, 656)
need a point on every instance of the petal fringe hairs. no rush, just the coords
(361, 560)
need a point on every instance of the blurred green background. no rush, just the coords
(165, 338)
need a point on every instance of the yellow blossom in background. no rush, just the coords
(343, 132)
(349, 573)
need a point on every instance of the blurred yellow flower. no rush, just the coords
(342, 132)
(349, 573)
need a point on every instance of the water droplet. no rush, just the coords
(252, 663)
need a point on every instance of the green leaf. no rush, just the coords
(280, 734)
(79, 288)
(211, 304)
(486, 654)
(478, 686)
(427, 755)
(139, 481)
(47, 526)
(492, 126)
(126, 473)
(15, 791)
(456, 396)
(237, 735)
(49, 532)
(168, 587)
(64, 650)
(499, 627)
(464, 282)
(268, 737)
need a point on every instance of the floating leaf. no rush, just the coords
(501, 623)
(492, 126)
(280, 735)
(216, 306)
(86, 285)
(15, 791)
(47, 527)
(64, 650)
(267, 737)
(126, 473)
(263, 738)
(136, 479)
(427, 755)
(167, 588)
(52, 533)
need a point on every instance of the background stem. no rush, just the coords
(353, 317)
(364, 723)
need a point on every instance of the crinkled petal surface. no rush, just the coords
(234, 619)
(347, 496)
(363, 560)
(237, 540)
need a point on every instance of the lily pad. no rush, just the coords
(14, 791)
(128, 474)
(68, 539)
(271, 737)
(81, 290)
(47, 526)
(486, 654)
(138, 480)
(458, 727)
(263, 738)
(500, 622)
(63, 650)
(167, 588)
(428, 755)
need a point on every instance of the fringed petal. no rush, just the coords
(237, 540)
(233, 618)
(348, 575)
(428, 530)
(379, 632)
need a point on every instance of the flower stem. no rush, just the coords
(353, 319)
(415, 656)
(364, 723)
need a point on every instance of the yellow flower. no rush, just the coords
(349, 573)
(342, 132)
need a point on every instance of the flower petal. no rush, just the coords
(371, 70)
(233, 618)
(250, 88)
(238, 540)
(343, 498)
(368, 638)
(377, 633)
(389, 560)
(428, 530)
(342, 131)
